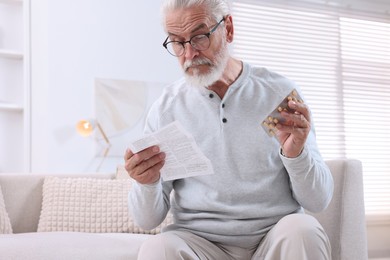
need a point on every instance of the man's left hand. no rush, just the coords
(294, 131)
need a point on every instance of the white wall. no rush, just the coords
(74, 42)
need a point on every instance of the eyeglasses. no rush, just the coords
(199, 42)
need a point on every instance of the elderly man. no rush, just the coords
(252, 207)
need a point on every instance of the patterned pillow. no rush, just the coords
(88, 205)
(5, 224)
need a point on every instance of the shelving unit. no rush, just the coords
(9, 54)
(15, 86)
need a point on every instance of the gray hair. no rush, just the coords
(216, 8)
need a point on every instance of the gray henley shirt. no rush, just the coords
(254, 185)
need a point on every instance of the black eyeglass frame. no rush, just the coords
(166, 42)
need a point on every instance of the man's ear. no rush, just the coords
(229, 28)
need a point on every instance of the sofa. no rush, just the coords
(41, 226)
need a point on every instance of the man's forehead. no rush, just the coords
(187, 20)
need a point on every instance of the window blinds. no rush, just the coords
(341, 60)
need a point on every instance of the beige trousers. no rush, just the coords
(294, 237)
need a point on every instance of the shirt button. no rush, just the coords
(223, 105)
(224, 120)
(211, 95)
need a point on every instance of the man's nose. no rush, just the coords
(189, 51)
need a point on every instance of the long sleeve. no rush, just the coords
(311, 180)
(149, 204)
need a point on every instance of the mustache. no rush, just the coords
(199, 61)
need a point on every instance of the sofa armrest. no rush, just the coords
(23, 200)
(344, 219)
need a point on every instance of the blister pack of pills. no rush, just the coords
(269, 123)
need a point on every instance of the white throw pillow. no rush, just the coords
(88, 205)
(5, 224)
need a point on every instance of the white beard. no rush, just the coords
(216, 69)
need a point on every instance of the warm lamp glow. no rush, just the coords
(84, 128)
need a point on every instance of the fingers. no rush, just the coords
(300, 109)
(294, 129)
(299, 118)
(128, 154)
(135, 159)
(151, 175)
(145, 165)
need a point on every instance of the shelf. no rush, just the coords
(10, 54)
(10, 107)
(11, 1)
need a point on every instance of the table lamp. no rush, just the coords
(86, 127)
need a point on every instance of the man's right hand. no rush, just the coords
(145, 166)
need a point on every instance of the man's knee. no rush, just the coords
(300, 226)
(165, 246)
(297, 236)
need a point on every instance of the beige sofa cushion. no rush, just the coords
(70, 246)
(5, 224)
(88, 205)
